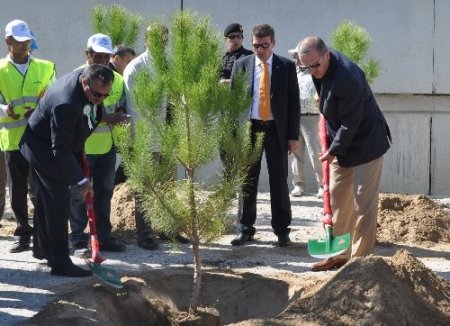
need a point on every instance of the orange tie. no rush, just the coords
(264, 92)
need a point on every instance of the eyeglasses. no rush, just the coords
(312, 66)
(232, 37)
(97, 94)
(263, 45)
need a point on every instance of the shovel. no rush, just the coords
(107, 275)
(332, 245)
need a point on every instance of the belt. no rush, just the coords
(262, 123)
(309, 114)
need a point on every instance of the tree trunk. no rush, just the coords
(195, 301)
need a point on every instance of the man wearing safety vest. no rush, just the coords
(23, 81)
(101, 155)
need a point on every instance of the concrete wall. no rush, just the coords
(409, 39)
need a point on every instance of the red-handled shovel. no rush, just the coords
(106, 274)
(332, 245)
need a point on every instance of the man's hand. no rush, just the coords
(293, 145)
(115, 118)
(84, 189)
(316, 100)
(10, 112)
(326, 157)
(29, 111)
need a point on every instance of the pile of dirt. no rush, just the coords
(122, 212)
(375, 291)
(412, 219)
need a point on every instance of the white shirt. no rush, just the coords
(141, 62)
(256, 77)
(307, 92)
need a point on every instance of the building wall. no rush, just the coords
(409, 38)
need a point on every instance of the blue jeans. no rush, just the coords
(102, 170)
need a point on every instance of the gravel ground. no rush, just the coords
(26, 285)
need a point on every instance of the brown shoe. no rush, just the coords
(329, 264)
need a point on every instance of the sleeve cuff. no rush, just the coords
(82, 182)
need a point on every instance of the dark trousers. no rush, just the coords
(277, 165)
(3, 181)
(19, 170)
(102, 169)
(52, 213)
(143, 227)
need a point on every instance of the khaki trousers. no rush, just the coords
(354, 201)
(308, 141)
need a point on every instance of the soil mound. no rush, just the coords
(412, 219)
(122, 212)
(376, 291)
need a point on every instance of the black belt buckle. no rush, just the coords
(262, 123)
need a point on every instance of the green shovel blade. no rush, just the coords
(330, 246)
(107, 275)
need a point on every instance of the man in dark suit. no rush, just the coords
(358, 136)
(53, 144)
(275, 112)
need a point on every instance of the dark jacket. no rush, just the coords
(229, 59)
(54, 137)
(357, 129)
(284, 95)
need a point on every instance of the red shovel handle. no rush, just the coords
(323, 139)
(95, 246)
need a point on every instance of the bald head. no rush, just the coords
(311, 44)
(313, 55)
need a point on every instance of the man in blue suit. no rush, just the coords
(275, 112)
(358, 135)
(53, 143)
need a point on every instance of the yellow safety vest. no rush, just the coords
(21, 91)
(102, 138)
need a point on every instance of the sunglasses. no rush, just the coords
(97, 94)
(312, 66)
(263, 45)
(232, 37)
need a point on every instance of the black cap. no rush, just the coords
(233, 28)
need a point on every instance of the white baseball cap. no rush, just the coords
(19, 30)
(295, 50)
(100, 43)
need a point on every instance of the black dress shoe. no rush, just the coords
(283, 240)
(241, 239)
(112, 245)
(71, 270)
(148, 244)
(179, 238)
(182, 240)
(20, 246)
(39, 255)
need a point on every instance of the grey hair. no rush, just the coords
(98, 72)
(311, 43)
